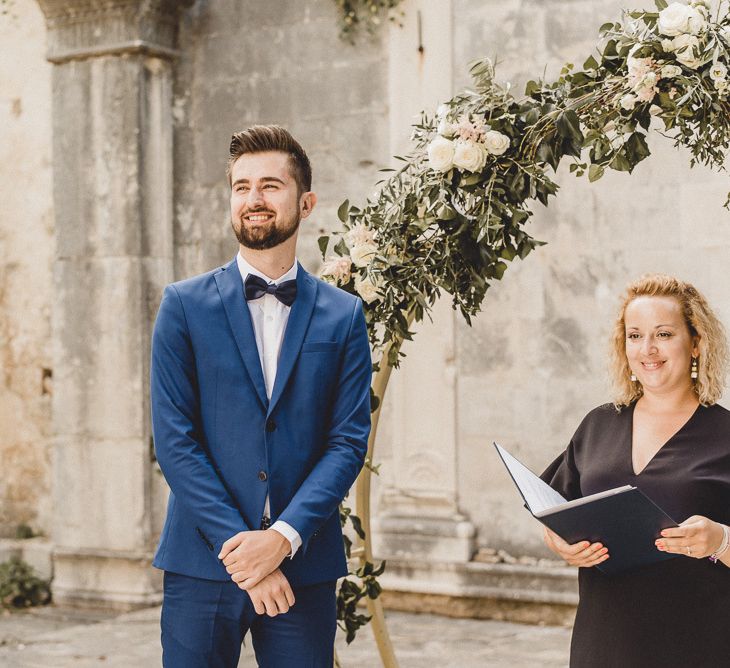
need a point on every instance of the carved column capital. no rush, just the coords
(79, 29)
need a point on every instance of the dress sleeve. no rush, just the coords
(563, 476)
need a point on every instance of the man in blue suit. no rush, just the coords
(260, 385)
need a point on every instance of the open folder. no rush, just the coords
(624, 519)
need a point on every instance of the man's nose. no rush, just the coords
(255, 197)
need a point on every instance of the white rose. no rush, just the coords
(670, 71)
(337, 269)
(655, 110)
(718, 71)
(367, 289)
(359, 234)
(667, 46)
(697, 20)
(441, 154)
(628, 102)
(721, 85)
(470, 155)
(496, 142)
(674, 19)
(445, 129)
(686, 46)
(362, 254)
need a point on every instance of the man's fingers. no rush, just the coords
(258, 606)
(289, 595)
(271, 608)
(232, 543)
(281, 602)
(235, 555)
(249, 582)
(239, 577)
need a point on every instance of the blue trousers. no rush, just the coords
(204, 623)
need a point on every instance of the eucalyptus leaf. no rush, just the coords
(343, 210)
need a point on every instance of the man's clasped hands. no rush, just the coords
(252, 560)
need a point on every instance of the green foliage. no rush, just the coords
(368, 14)
(351, 592)
(24, 531)
(452, 218)
(20, 587)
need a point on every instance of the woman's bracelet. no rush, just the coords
(723, 546)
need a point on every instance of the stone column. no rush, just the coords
(112, 164)
(419, 514)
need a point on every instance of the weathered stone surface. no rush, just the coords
(26, 251)
(246, 64)
(112, 98)
(535, 360)
(86, 29)
(36, 552)
(132, 216)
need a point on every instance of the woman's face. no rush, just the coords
(659, 346)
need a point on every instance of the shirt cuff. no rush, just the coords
(290, 533)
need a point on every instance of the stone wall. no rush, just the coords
(534, 363)
(526, 372)
(26, 251)
(275, 62)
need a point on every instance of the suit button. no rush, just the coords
(262, 476)
(270, 425)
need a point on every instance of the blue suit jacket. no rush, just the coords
(222, 445)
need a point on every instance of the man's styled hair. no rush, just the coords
(261, 138)
(701, 321)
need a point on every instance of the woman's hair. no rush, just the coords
(701, 321)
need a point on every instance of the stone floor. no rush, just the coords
(58, 638)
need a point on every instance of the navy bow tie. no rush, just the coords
(256, 287)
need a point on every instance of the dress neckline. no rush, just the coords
(663, 446)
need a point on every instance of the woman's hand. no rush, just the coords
(583, 554)
(696, 537)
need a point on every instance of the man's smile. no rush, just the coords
(258, 217)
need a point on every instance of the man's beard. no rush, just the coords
(262, 237)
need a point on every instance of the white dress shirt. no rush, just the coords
(269, 317)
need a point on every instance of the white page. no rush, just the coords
(538, 495)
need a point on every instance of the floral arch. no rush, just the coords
(454, 216)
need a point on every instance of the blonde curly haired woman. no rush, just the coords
(665, 434)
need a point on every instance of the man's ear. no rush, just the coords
(307, 202)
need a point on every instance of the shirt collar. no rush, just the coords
(245, 269)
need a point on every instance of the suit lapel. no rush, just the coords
(230, 287)
(296, 328)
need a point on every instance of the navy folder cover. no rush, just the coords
(626, 521)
